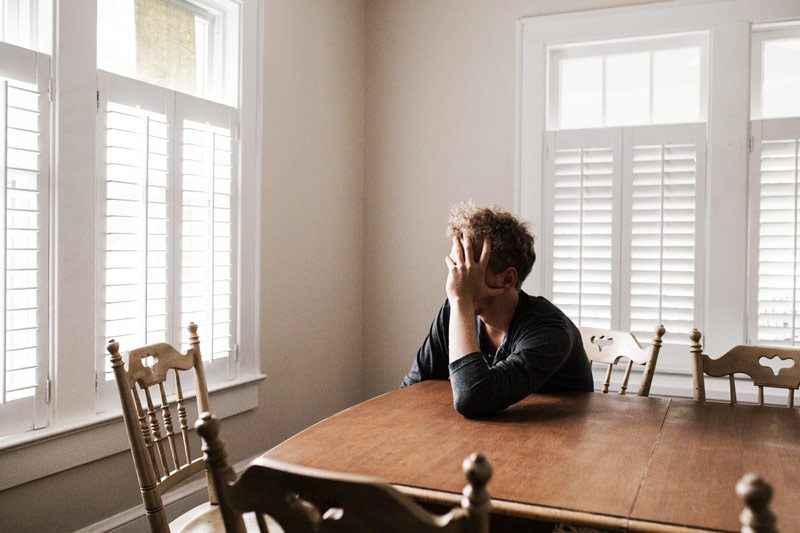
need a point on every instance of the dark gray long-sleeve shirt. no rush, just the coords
(542, 352)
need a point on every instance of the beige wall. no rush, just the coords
(441, 112)
(311, 294)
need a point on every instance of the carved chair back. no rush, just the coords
(159, 444)
(609, 347)
(306, 499)
(750, 360)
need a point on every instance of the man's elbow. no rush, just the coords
(468, 407)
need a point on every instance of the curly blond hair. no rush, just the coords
(512, 243)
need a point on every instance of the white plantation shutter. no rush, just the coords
(625, 227)
(664, 176)
(24, 156)
(135, 277)
(168, 234)
(584, 169)
(207, 192)
(774, 178)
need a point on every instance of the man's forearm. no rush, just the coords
(462, 330)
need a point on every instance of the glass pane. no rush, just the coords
(676, 81)
(780, 93)
(17, 22)
(156, 41)
(581, 93)
(628, 89)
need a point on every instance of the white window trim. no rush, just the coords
(75, 435)
(729, 23)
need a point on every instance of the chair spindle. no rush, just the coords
(148, 439)
(732, 382)
(607, 381)
(790, 403)
(624, 386)
(166, 415)
(760, 395)
(182, 419)
(155, 429)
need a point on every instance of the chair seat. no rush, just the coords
(206, 518)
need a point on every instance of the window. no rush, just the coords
(169, 173)
(130, 230)
(26, 23)
(629, 154)
(624, 182)
(775, 176)
(176, 44)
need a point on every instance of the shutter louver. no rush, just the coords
(206, 229)
(662, 260)
(582, 234)
(778, 233)
(136, 245)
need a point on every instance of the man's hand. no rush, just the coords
(466, 278)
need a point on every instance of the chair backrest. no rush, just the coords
(161, 457)
(745, 359)
(306, 499)
(609, 347)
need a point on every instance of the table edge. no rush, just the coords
(553, 514)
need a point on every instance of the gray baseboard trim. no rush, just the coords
(176, 502)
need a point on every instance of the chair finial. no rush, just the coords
(113, 349)
(756, 516)
(192, 327)
(660, 330)
(478, 472)
(695, 335)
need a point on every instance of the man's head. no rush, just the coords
(512, 243)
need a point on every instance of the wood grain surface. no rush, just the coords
(704, 449)
(580, 452)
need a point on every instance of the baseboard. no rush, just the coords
(176, 502)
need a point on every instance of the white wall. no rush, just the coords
(441, 119)
(311, 280)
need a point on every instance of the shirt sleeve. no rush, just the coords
(432, 357)
(479, 389)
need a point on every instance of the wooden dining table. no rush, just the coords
(600, 460)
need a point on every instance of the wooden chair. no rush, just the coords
(745, 359)
(162, 458)
(609, 347)
(756, 494)
(305, 499)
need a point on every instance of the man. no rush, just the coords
(518, 344)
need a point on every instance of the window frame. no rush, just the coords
(726, 225)
(76, 433)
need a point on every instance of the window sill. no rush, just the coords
(40, 453)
